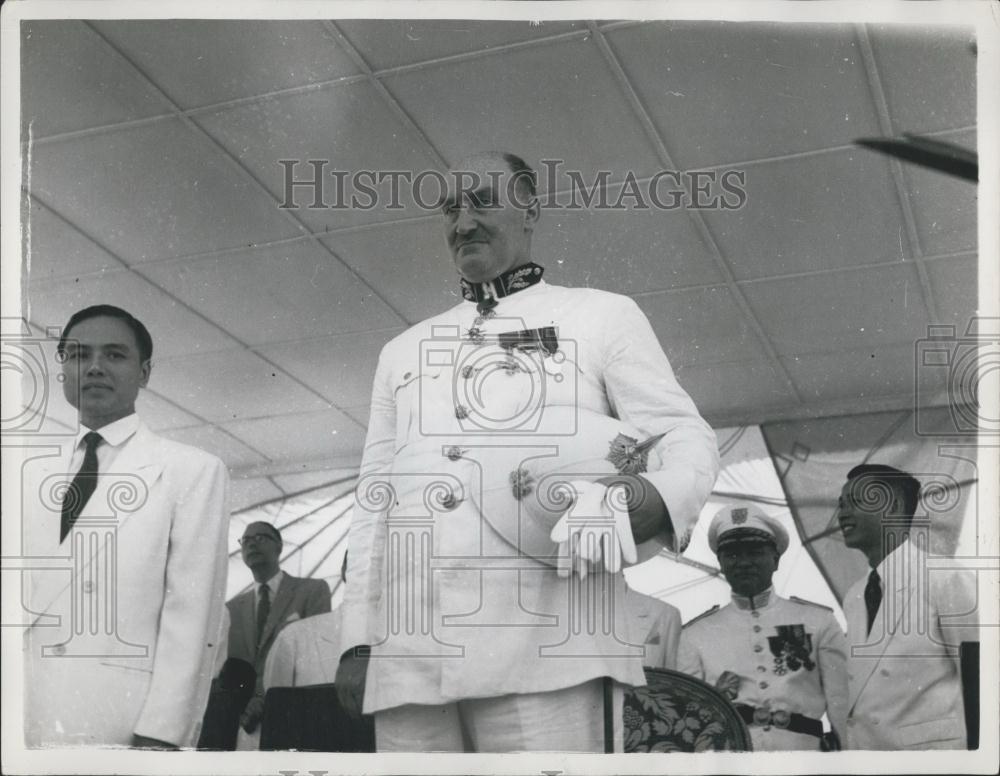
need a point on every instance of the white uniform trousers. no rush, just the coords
(567, 720)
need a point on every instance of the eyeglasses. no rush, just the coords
(249, 541)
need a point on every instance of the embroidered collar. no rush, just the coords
(759, 601)
(485, 295)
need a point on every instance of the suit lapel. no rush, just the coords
(122, 491)
(898, 587)
(116, 498)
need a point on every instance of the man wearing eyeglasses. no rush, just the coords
(471, 607)
(257, 615)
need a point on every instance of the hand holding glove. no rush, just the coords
(595, 528)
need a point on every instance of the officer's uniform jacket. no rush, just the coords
(789, 656)
(490, 619)
(905, 681)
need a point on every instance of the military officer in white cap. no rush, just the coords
(782, 662)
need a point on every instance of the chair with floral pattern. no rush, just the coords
(676, 712)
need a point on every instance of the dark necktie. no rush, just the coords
(263, 610)
(82, 487)
(873, 597)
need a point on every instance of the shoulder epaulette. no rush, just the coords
(809, 603)
(702, 616)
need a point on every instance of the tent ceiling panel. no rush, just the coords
(786, 227)
(160, 414)
(651, 250)
(307, 435)
(558, 101)
(748, 90)
(340, 369)
(349, 127)
(296, 483)
(58, 250)
(396, 42)
(846, 310)
(245, 491)
(406, 263)
(245, 305)
(878, 370)
(220, 60)
(928, 76)
(155, 191)
(701, 326)
(64, 61)
(306, 292)
(721, 389)
(944, 209)
(219, 442)
(234, 385)
(953, 282)
(175, 328)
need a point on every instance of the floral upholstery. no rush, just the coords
(675, 712)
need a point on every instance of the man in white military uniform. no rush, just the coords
(906, 621)
(485, 654)
(781, 662)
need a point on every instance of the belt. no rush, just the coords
(784, 720)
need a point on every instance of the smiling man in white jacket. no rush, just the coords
(120, 650)
(474, 636)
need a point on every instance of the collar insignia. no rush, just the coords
(485, 295)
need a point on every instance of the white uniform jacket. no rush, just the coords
(905, 681)
(145, 567)
(452, 604)
(789, 657)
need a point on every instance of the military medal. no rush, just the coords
(630, 456)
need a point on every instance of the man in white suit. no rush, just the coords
(121, 650)
(906, 621)
(475, 630)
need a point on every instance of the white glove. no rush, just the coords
(595, 526)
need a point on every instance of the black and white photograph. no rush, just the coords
(492, 387)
